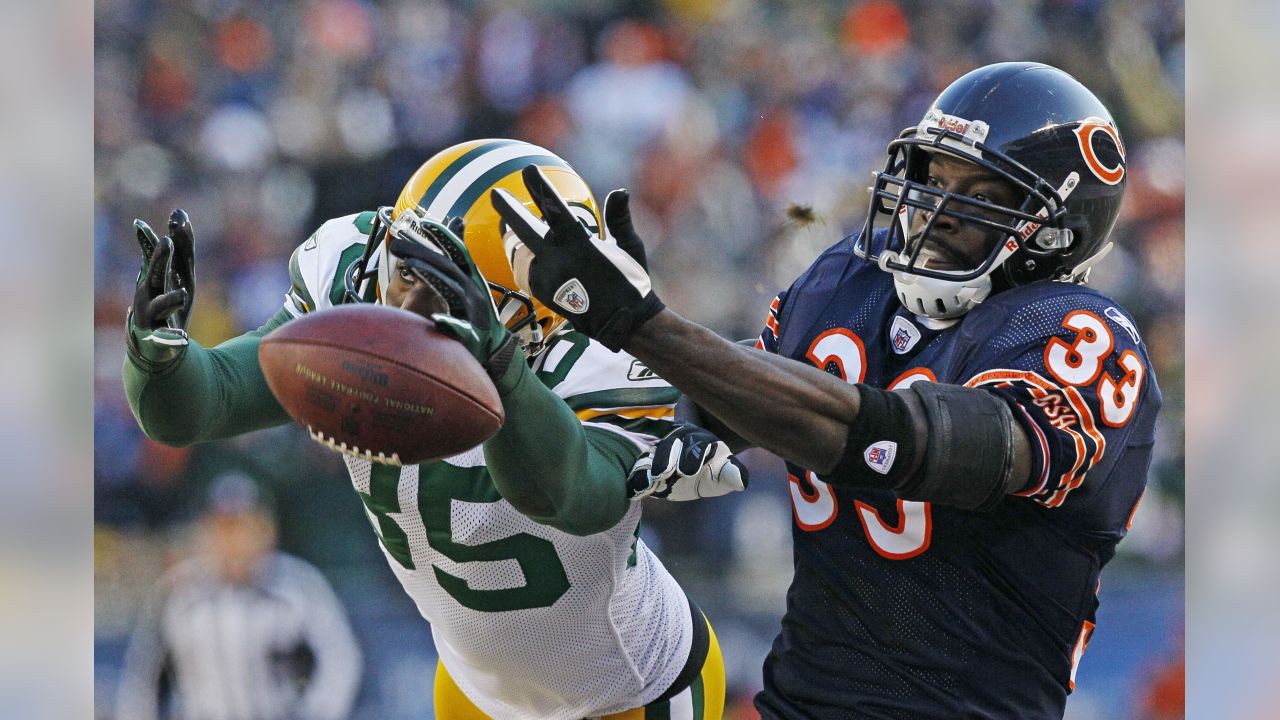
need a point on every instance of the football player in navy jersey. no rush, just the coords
(967, 426)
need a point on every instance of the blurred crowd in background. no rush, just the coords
(264, 119)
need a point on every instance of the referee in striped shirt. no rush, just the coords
(243, 631)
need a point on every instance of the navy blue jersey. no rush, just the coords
(905, 609)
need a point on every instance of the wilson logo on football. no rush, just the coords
(572, 296)
(879, 456)
(1084, 135)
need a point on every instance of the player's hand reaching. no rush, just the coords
(165, 290)
(439, 258)
(601, 286)
(688, 464)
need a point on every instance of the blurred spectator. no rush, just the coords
(1166, 694)
(241, 630)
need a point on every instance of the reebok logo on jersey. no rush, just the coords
(639, 371)
(1118, 318)
(572, 296)
(880, 455)
(903, 335)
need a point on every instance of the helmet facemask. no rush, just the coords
(914, 229)
(515, 309)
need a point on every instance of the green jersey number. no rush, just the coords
(438, 485)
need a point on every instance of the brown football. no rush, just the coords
(380, 383)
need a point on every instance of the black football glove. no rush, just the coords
(439, 258)
(601, 286)
(165, 291)
(688, 464)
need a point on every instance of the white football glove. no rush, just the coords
(688, 464)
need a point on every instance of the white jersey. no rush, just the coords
(531, 622)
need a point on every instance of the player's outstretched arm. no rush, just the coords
(550, 467)
(204, 393)
(857, 435)
(795, 411)
(181, 392)
(604, 289)
(542, 460)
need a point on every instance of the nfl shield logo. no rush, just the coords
(903, 335)
(572, 296)
(879, 456)
(900, 339)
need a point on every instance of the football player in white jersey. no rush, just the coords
(524, 553)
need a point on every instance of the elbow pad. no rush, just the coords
(968, 455)
(930, 442)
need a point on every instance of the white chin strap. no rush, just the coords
(940, 299)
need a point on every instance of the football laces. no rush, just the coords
(352, 450)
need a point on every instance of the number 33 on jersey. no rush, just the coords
(1067, 359)
(1073, 369)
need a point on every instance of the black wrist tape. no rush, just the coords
(881, 447)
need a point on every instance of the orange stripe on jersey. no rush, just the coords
(1077, 403)
(1091, 429)
(1073, 477)
(920, 374)
(1128, 525)
(655, 412)
(771, 318)
(1082, 642)
(1040, 388)
(1044, 457)
(1086, 420)
(1027, 376)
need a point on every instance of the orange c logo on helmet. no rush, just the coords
(1084, 135)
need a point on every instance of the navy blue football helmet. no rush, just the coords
(1036, 128)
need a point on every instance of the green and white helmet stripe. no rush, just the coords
(468, 177)
(475, 171)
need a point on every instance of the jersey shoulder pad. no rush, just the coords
(1031, 315)
(603, 387)
(1073, 364)
(316, 267)
(838, 272)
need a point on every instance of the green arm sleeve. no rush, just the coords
(550, 467)
(204, 394)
